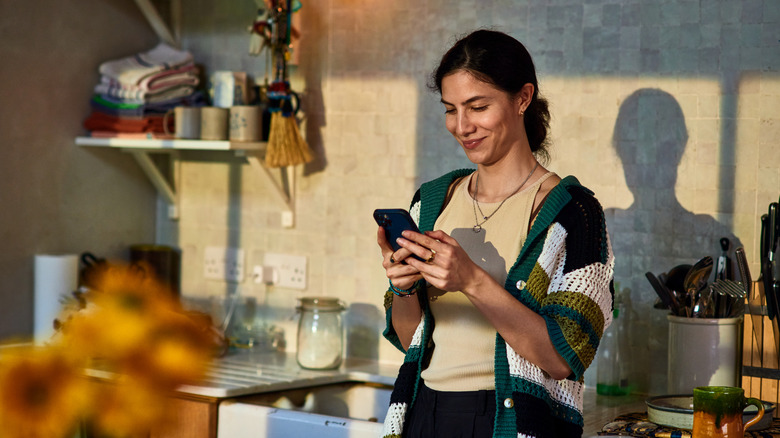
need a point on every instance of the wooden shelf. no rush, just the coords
(140, 148)
(175, 144)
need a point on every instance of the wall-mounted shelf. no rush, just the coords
(140, 148)
(153, 144)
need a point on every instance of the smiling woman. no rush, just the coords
(516, 278)
(487, 122)
(507, 66)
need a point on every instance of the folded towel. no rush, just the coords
(169, 93)
(119, 91)
(186, 74)
(114, 102)
(98, 121)
(198, 98)
(148, 96)
(174, 76)
(133, 69)
(132, 94)
(109, 87)
(100, 105)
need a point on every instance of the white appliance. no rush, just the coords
(346, 410)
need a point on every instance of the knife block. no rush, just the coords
(760, 371)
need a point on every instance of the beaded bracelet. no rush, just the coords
(404, 292)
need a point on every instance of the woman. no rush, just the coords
(517, 276)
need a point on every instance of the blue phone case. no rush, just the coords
(394, 221)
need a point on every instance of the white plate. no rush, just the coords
(677, 411)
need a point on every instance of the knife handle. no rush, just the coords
(766, 268)
(663, 293)
(764, 240)
(744, 269)
(772, 229)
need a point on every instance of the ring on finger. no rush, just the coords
(430, 259)
(392, 260)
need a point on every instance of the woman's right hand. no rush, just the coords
(402, 276)
(406, 310)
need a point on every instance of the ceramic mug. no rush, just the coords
(214, 123)
(717, 411)
(245, 123)
(187, 122)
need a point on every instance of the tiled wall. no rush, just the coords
(668, 110)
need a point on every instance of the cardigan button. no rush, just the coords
(520, 285)
(508, 403)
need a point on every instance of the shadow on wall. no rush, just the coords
(655, 233)
(312, 61)
(362, 336)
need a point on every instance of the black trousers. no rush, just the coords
(438, 414)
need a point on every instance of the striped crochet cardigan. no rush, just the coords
(564, 273)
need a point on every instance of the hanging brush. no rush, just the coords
(286, 146)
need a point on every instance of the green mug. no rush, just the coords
(717, 412)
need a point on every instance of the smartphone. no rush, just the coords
(394, 221)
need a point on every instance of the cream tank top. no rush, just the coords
(464, 339)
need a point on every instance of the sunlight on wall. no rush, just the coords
(584, 114)
(677, 163)
(369, 128)
(757, 154)
(379, 133)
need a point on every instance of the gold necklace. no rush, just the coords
(475, 204)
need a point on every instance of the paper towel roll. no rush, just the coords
(56, 276)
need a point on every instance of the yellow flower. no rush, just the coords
(178, 350)
(130, 326)
(127, 408)
(42, 394)
(122, 311)
(131, 293)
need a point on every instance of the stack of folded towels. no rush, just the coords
(135, 92)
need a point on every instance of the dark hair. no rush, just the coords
(502, 61)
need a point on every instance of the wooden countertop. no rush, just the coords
(250, 373)
(601, 409)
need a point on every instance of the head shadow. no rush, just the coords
(656, 232)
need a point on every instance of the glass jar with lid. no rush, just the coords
(320, 333)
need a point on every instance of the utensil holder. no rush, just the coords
(704, 352)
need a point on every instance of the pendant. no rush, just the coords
(477, 228)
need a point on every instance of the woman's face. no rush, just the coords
(486, 121)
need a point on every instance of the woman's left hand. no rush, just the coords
(447, 266)
(450, 269)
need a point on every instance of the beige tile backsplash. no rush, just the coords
(379, 133)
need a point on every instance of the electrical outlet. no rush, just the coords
(288, 220)
(291, 269)
(220, 263)
(265, 274)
